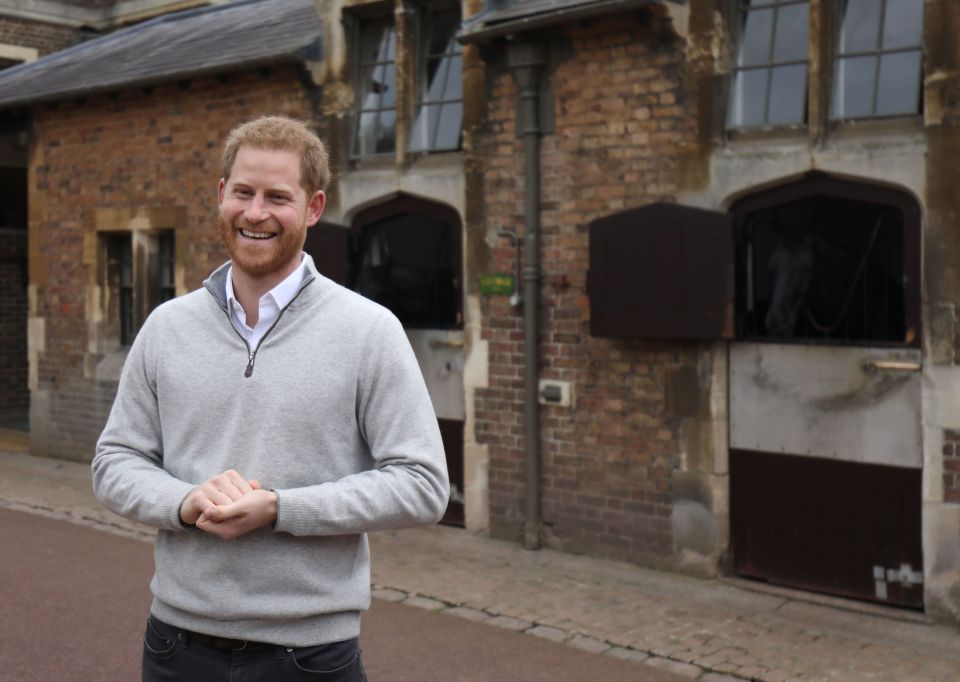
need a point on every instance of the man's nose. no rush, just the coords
(255, 211)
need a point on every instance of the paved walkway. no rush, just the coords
(714, 631)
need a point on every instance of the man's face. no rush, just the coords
(265, 212)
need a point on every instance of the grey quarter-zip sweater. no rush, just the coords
(330, 410)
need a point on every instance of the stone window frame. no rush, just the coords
(825, 22)
(766, 66)
(408, 18)
(378, 17)
(423, 101)
(16, 55)
(878, 52)
(156, 237)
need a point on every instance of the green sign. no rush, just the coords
(496, 284)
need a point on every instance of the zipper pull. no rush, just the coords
(249, 370)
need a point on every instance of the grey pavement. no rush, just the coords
(711, 630)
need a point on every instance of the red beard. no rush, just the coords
(259, 258)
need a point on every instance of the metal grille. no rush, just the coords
(824, 269)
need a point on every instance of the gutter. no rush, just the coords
(510, 27)
(527, 61)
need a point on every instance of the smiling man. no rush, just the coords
(263, 424)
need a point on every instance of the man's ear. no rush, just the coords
(315, 207)
(220, 189)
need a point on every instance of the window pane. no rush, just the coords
(455, 79)
(793, 25)
(444, 26)
(419, 130)
(388, 46)
(898, 91)
(436, 72)
(903, 24)
(388, 95)
(448, 126)
(375, 42)
(861, 26)
(372, 85)
(366, 129)
(749, 97)
(788, 94)
(757, 30)
(387, 132)
(853, 87)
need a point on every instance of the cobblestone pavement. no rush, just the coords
(714, 631)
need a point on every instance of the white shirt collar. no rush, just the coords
(281, 294)
(270, 304)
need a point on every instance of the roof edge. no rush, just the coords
(485, 33)
(160, 79)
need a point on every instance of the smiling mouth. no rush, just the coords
(251, 234)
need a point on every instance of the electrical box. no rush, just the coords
(553, 392)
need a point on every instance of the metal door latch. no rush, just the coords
(905, 575)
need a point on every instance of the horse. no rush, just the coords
(824, 289)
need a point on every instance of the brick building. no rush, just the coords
(29, 30)
(679, 274)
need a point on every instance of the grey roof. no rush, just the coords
(505, 17)
(213, 39)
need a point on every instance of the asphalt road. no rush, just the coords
(73, 602)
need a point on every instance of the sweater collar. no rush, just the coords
(216, 283)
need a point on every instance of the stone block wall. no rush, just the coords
(951, 466)
(43, 37)
(609, 461)
(115, 162)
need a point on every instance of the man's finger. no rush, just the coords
(223, 512)
(240, 483)
(227, 487)
(215, 495)
(255, 484)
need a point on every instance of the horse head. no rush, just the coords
(791, 268)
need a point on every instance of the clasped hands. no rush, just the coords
(228, 505)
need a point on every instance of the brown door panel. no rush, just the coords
(826, 525)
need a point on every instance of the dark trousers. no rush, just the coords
(171, 654)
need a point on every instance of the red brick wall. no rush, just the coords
(46, 38)
(155, 147)
(14, 395)
(608, 462)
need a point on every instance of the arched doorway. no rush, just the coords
(825, 413)
(405, 254)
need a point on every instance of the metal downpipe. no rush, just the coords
(526, 61)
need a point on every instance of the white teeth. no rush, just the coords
(256, 235)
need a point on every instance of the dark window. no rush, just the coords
(439, 116)
(828, 266)
(407, 258)
(376, 128)
(769, 83)
(119, 285)
(165, 285)
(137, 276)
(879, 59)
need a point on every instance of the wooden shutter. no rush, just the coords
(661, 271)
(329, 245)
